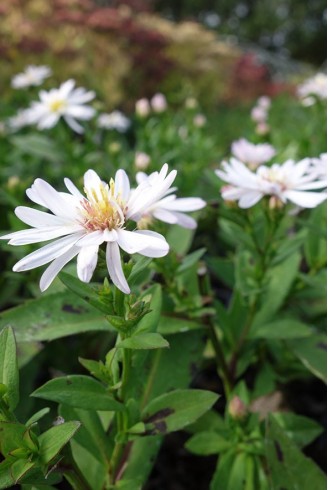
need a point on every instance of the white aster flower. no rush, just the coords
(312, 88)
(167, 207)
(20, 120)
(319, 166)
(290, 181)
(67, 102)
(115, 120)
(80, 224)
(32, 76)
(252, 154)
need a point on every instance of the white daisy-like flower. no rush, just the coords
(79, 224)
(115, 120)
(32, 76)
(167, 207)
(290, 181)
(20, 120)
(252, 154)
(66, 102)
(312, 89)
(319, 166)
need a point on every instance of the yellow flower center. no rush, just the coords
(101, 210)
(57, 105)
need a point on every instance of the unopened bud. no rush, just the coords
(141, 160)
(237, 408)
(159, 103)
(199, 120)
(142, 107)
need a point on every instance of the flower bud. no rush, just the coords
(141, 160)
(259, 114)
(199, 120)
(262, 128)
(237, 408)
(142, 107)
(158, 103)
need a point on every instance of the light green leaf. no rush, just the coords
(80, 392)
(299, 429)
(179, 239)
(37, 416)
(52, 441)
(190, 260)
(172, 324)
(11, 436)
(150, 340)
(150, 321)
(289, 468)
(312, 352)
(53, 316)
(9, 375)
(281, 329)
(38, 145)
(177, 409)
(206, 443)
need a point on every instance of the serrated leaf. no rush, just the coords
(78, 391)
(312, 352)
(206, 443)
(289, 468)
(70, 315)
(54, 439)
(9, 375)
(150, 340)
(281, 329)
(177, 409)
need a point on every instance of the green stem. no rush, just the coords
(73, 474)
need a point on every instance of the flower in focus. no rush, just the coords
(115, 120)
(158, 103)
(67, 102)
(32, 75)
(252, 154)
(290, 181)
(141, 160)
(79, 224)
(167, 207)
(199, 120)
(142, 107)
(312, 89)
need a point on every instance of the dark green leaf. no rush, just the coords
(52, 441)
(86, 292)
(80, 392)
(9, 375)
(206, 443)
(301, 430)
(281, 329)
(312, 352)
(190, 260)
(289, 468)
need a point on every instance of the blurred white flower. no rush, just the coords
(319, 166)
(141, 160)
(259, 114)
(191, 103)
(290, 181)
(313, 88)
(167, 207)
(32, 75)
(142, 107)
(264, 102)
(158, 103)
(67, 102)
(252, 154)
(20, 120)
(115, 120)
(80, 224)
(199, 120)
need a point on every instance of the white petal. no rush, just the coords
(185, 204)
(249, 199)
(79, 112)
(35, 235)
(114, 266)
(134, 242)
(38, 219)
(66, 87)
(95, 238)
(164, 215)
(55, 267)
(306, 199)
(50, 197)
(73, 189)
(86, 262)
(74, 124)
(160, 248)
(46, 254)
(122, 185)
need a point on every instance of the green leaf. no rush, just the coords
(52, 441)
(179, 239)
(38, 145)
(69, 315)
(11, 436)
(190, 260)
(20, 469)
(9, 375)
(91, 434)
(144, 341)
(37, 416)
(299, 429)
(138, 268)
(281, 329)
(223, 269)
(312, 352)
(289, 247)
(316, 245)
(172, 324)
(206, 443)
(289, 468)
(149, 322)
(6, 479)
(80, 392)
(177, 409)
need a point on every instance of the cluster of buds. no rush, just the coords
(157, 103)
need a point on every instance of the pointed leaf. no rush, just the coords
(312, 352)
(52, 441)
(281, 329)
(80, 392)
(8, 367)
(144, 341)
(206, 443)
(301, 430)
